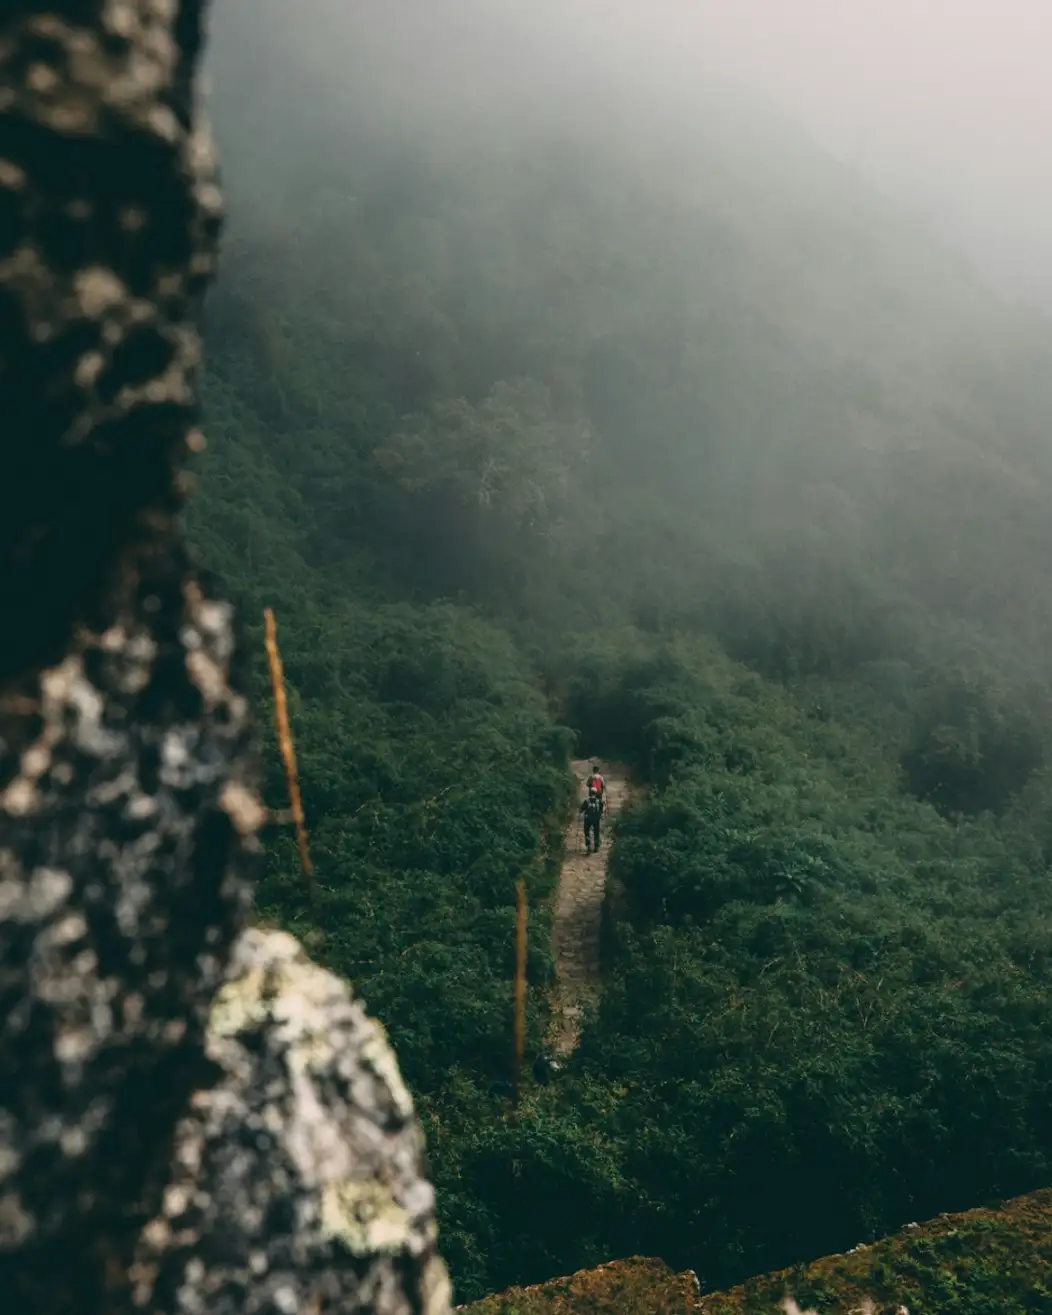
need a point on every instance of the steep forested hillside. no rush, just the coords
(652, 428)
(982, 1262)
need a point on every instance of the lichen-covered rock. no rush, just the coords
(109, 219)
(298, 1183)
(127, 809)
(124, 810)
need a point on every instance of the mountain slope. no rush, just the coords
(982, 1262)
(644, 429)
(771, 362)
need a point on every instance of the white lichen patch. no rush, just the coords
(237, 1005)
(88, 369)
(12, 176)
(365, 1218)
(113, 639)
(272, 979)
(46, 890)
(16, 1223)
(121, 18)
(435, 1287)
(11, 890)
(41, 78)
(74, 1045)
(35, 760)
(214, 618)
(172, 386)
(66, 931)
(10, 1160)
(19, 798)
(98, 290)
(73, 1142)
(378, 1056)
(140, 807)
(207, 675)
(65, 687)
(243, 807)
(163, 122)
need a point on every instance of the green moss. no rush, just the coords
(983, 1262)
(625, 1287)
(815, 450)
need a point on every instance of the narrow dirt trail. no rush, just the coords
(578, 912)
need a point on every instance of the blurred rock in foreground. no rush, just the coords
(128, 802)
(298, 1182)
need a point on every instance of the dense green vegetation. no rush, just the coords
(633, 1286)
(671, 439)
(982, 1262)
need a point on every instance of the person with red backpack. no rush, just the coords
(595, 782)
(592, 809)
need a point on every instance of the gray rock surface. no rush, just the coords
(128, 806)
(298, 1184)
(109, 220)
(125, 820)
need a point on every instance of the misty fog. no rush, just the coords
(700, 198)
(944, 105)
(657, 381)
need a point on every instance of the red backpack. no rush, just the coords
(595, 782)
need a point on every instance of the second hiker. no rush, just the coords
(592, 809)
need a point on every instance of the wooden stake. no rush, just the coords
(288, 753)
(520, 981)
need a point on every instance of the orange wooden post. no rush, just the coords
(288, 753)
(520, 981)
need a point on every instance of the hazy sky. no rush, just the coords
(948, 101)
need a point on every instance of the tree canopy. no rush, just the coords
(670, 443)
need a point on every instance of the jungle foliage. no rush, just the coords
(695, 454)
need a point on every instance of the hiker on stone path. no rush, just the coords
(595, 782)
(592, 810)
